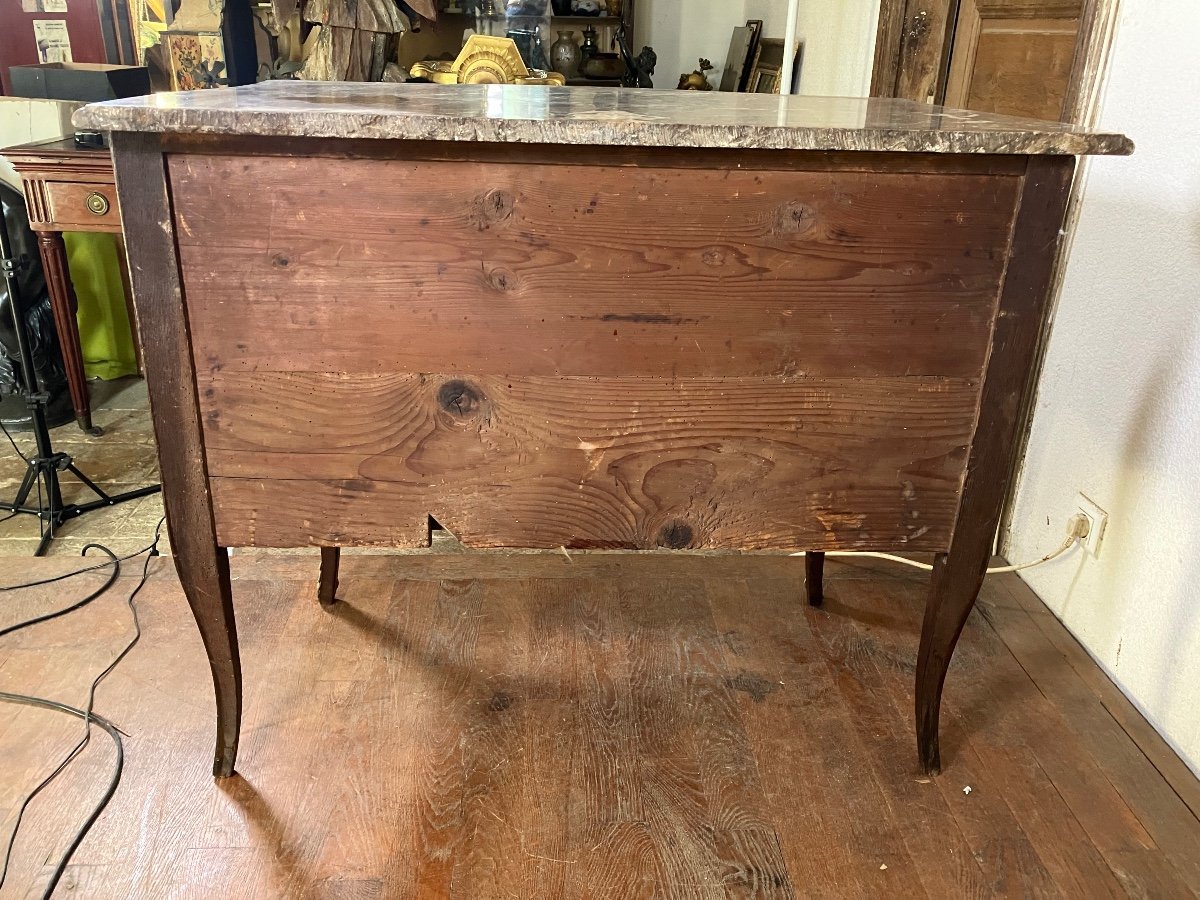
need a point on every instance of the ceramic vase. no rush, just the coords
(565, 55)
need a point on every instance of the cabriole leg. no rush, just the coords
(205, 579)
(328, 585)
(952, 592)
(814, 574)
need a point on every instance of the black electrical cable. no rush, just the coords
(46, 617)
(29, 584)
(87, 714)
(113, 781)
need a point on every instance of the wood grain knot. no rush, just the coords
(492, 208)
(795, 218)
(460, 399)
(675, 535)
(713, 257)
(502, 279)
(499, 702)
(280, 261)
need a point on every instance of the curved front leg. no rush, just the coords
(814, 577)
(958, 575)
(204, 574)
(952, 592)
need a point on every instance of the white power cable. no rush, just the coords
(1077, 530)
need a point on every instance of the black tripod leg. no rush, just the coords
(27, 483)
(52, 518)
(91, 484)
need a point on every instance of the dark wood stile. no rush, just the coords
(814, 575)
(163, 328)
(958, 575)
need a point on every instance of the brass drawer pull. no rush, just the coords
(97, 203)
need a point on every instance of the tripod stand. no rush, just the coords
(43, 468)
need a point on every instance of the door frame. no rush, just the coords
(1089, 71)
(1089, 68)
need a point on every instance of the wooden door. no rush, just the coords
(912, 49)
(1018, 57)
(1014, 56)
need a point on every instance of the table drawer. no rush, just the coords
(91, 206)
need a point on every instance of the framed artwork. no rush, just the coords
(764, 79)
(743, 47)
(195, 59)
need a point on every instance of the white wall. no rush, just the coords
(839, 37)
(839, 42)
(682, 31)
(1118, 414)
(23, 120)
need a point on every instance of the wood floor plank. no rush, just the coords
(590, 725)
(1011, 855)
(1139, 809)
(863, 669)
(1149, 776)
(807, 747)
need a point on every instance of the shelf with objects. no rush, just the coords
(588, 42)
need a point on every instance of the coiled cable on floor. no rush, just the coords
(86, 714)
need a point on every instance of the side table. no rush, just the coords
(70, 188)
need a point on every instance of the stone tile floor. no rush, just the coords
(121, 459)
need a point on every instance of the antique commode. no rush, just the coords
(585, 318)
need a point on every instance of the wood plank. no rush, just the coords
(613, 462)
(1079, 691)
(574, 270)
(949, 857)
(748, 158)
(1079, 825)
(821, 791)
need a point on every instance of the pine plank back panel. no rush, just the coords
(591, 356)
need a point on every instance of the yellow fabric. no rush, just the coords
(105, 333)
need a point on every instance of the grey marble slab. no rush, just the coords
(580, 115)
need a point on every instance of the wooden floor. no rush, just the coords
(605, 726)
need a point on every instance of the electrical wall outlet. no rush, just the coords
(1097, 522)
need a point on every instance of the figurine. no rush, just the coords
(637, 69)
(697, 81)
(351, 39)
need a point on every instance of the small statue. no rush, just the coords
(697, 81)
(352, 40)
(637, 69)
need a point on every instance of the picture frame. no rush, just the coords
(765, 80)
(765, 76)
(796, 67)
(195, 59)
(739, 62)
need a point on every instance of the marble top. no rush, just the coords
(587, 115)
